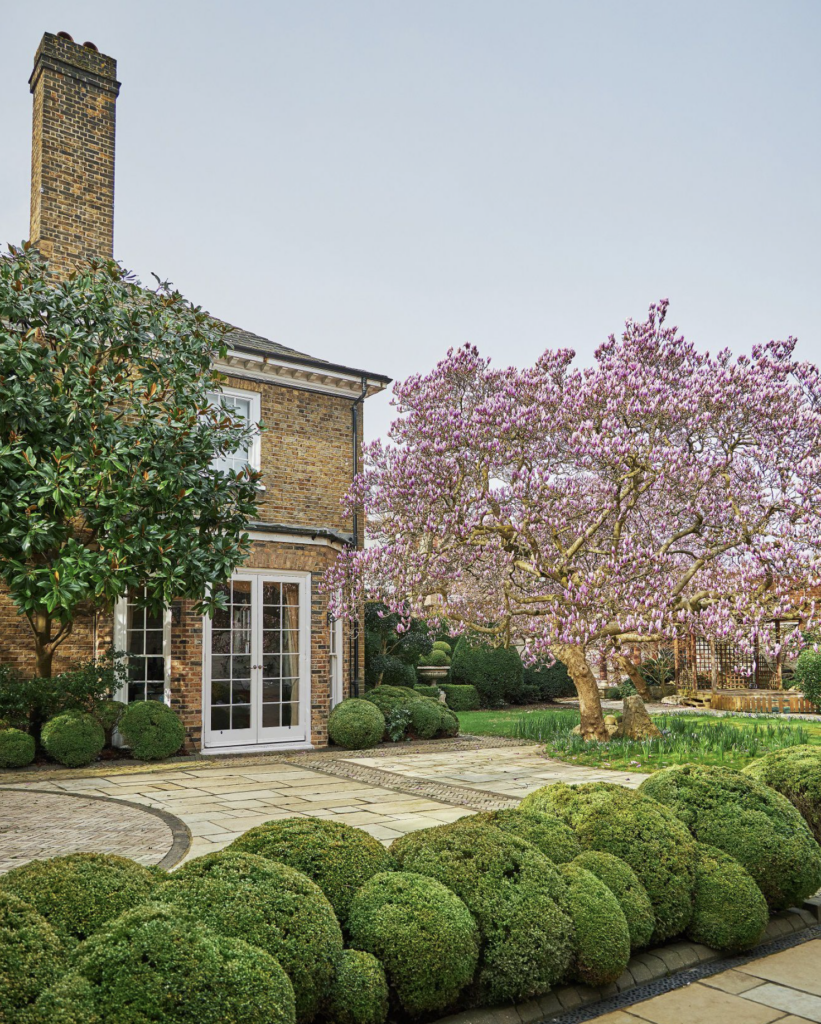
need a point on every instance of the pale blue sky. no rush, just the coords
(373, 181)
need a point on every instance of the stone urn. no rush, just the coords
(432, 675)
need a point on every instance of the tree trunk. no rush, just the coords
(592, 724)
(44, 643)
(633, 674)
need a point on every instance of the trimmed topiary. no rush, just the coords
(109, 712)
(426, 718)
(461, 697)
(337, 857)
(423, 935)
(442, 645)
(157, 964)
(623, 882)
(496, 672)
(269, 905)
(748, 820)
(427, 691)
(32, 957)
(389, 698)
(601, 941)
(450, 723)
(643, 833)
(729, 913)
(16, 748)
(356, 724)
(73, 738)
(152, 730)
(360, 991)
(79, 893)
(515, 893)
(546, 832)
(438, 658)
(794, 772)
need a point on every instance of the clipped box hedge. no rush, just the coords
(461, 696)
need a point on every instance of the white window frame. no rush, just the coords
(336, 661)
(254, 397)
(121, 644)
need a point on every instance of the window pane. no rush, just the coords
(270, 716)
(155, 691)
(155, 668)
(290, 594)
(221, 693)
(221, 718)
(270, 593)
(153, 641)
(241, 716)
(136, 691)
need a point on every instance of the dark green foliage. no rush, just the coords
(514, 892)
(546, 832)
(388, 698)
(423, 935)
(808, 675)
(601, 943)
(436, 657)
(546, 682)
(107, 480)
(623, 882)
(398, 704)
(426, 718)
(427, 691)
(73, 738)
(109, 712)
(390, 656)
(461, 697)
(152, 730)
(397, 723)
(360, 991)
(748, 820)
(496, 672)
(78, 893)
(356, 724)
(15, 708)
(450, 723)
(641, 832)
(32, 957)
(337, 857)
(269, 905)
(729, 912)
(156, 964)
(795, 773)
(16, 748)
(442, 645)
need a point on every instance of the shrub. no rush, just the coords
(269, 905)
(514, 892)
(547, 682)
(389, 698)
(152, 730)
(442, 645)
(73, 738)
(398, 673)
(808, 675)
(397, 724)
(15, 706)
(356, 724)
(337, 857)
(427, 691)
(31, 957)
(423, 935)
(623, 882)
(546, 832)
(78, 893)
(496, 672)
(360, 991)
(641, 832)
(109, 712)
(729, 912)
(16, 748)
(436, 657)
(157, 964)
(426, 718)
(795, 773)
(748, 820)
(450, 723)
(601, 944)
(390, 655)
(460, 697)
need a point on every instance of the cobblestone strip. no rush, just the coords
(458, 796)
(653, 966)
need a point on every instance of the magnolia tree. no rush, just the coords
(571, 511)
(107, 438)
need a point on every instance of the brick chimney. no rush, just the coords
(72, 151)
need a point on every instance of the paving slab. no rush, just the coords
(698, 1004)
(799, 967)
(780, 997)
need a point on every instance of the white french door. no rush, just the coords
(256, 663)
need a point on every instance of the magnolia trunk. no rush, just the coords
(592, 723)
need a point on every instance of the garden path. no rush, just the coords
(384, 792)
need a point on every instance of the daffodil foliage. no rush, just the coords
(106, 445)
(569, 510)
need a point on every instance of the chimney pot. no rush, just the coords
(65, 35)
(91, 46)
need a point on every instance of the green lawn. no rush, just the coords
(704, 739)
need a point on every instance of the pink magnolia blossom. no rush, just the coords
(566, 510)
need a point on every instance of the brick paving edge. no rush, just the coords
(180, 833)
(647, 974)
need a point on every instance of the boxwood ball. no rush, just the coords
(356, 724)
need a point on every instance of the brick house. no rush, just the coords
(264, 674)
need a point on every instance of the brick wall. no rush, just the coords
(72, 157)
